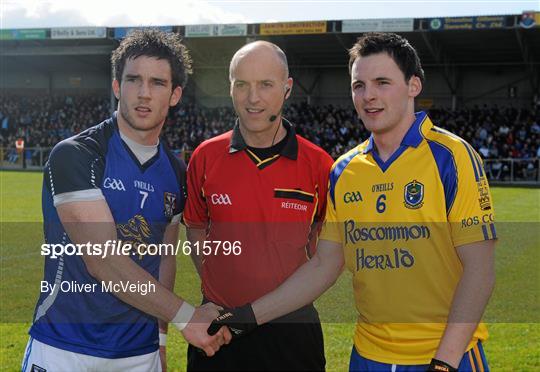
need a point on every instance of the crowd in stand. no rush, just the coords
(495, 132)
(43, 121)
(334, 129)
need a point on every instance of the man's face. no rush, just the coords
(145, 93)
(381, 96)
(258, 89)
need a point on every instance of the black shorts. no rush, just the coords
(292, 342)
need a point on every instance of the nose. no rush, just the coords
(253, 95)
(144, 90)
(369, 93)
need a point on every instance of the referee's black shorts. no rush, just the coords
(292, 342)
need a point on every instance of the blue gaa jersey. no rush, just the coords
(76, 312)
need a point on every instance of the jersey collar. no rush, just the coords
(149, 162)
(290, 150)
(412, 138)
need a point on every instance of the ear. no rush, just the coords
(175, 96)
(116, 88)
(288, 88)
(415, 86)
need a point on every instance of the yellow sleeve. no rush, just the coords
(331, 230)
(471, 216)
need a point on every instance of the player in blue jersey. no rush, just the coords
(117, 182)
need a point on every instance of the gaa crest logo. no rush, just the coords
(414, 195)
(169, 200)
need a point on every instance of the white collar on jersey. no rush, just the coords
(142, 153)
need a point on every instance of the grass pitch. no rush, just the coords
(513, 314)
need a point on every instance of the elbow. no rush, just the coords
(336, 271)
(485, 280)
(94, 268)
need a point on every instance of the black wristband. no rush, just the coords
(437, 365)
(239, 320)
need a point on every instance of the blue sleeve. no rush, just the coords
(73, 166)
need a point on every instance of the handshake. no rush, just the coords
(211, 326)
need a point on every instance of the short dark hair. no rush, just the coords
(397, 47)
(158, 44)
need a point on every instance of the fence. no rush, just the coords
(31, 158)
(498, 170)
(513, 170)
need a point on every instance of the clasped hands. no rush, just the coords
(212, 326)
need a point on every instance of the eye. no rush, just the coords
(383, 82)
(267, 84)
(357, 86)
(239, 84)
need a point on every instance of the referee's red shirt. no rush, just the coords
(271, 206)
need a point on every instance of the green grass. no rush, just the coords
(513, 313)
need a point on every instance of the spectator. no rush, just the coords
(496, 132)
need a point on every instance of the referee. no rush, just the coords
(262, 189)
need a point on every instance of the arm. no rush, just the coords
(318, 274)
(308, 282)
(304, 286)
(92, 221)
(470, 299)
(194, 235)
(301, 288)
(167, 274)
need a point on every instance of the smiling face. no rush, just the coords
(383, 99)
(145, 95)
(259, 86)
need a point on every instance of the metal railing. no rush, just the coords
(498, 170)
(513, 170)
(34, 158)
(31, 158)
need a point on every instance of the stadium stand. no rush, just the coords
(497, 133)
(483, 83)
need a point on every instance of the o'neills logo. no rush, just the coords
(295, 206)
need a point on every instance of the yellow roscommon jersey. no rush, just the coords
(399, 223)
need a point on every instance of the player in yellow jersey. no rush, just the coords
(412, 210)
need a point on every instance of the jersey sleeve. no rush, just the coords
(179, 169)
(183, 195)
(471, 216)
(330, 229)
(74, 173)
(323, 168)
(196, 211)
(180, 205)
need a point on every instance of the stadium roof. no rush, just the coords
(444, 42)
